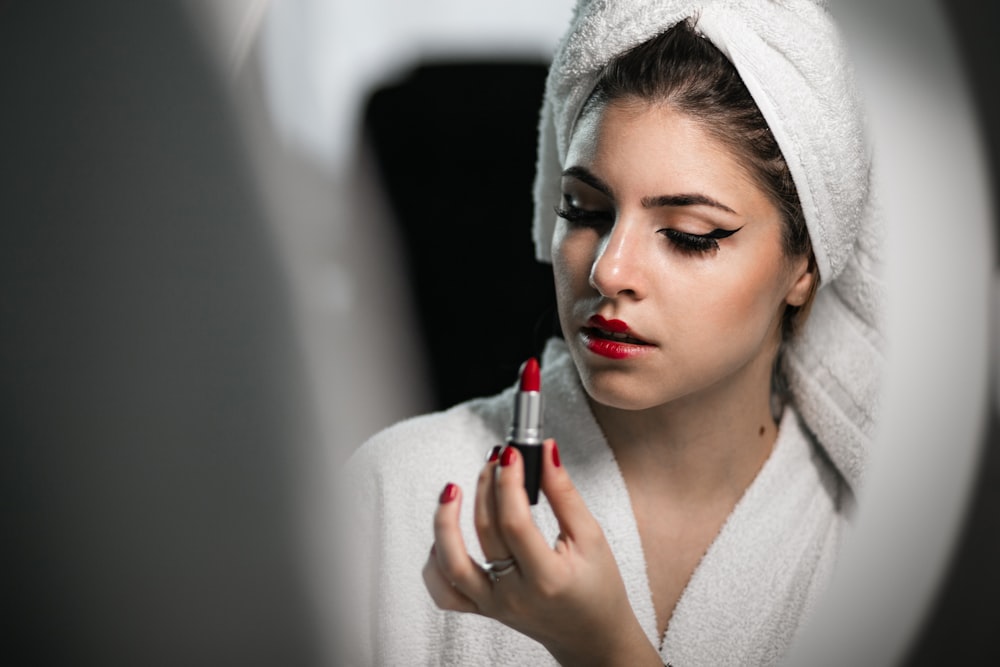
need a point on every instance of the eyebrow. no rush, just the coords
(685, 199)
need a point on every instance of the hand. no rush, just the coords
(570, 596)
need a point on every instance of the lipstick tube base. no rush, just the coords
(532, 457)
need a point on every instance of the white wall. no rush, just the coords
(320, 56)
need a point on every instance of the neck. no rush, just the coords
(707, 445)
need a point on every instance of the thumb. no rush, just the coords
(575, 520)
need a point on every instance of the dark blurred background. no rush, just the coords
(455, 146)
(151, 394)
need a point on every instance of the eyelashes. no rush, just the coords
(683, 241)
(698, 243)
(583, 217)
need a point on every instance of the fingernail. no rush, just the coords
(449, 493)
(555, 454)
(507, 456)
(494, 453)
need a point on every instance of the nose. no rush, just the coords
(617, 267)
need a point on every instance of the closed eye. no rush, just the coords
(582, 217)
(698, 243)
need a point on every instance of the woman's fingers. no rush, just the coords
(485, 513)
(575, 520)
(506, 529)
(445, 595)
(549, 594)
(450, 554)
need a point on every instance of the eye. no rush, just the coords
(582, 217)
(697, 243)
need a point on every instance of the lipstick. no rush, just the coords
(612, 339)
(526, 428)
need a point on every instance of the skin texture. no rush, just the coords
(686, 409)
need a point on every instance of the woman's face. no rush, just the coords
(669, 269)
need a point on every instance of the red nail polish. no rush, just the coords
(555, 455)
(449, 493)
(507, 456)
(494, 453)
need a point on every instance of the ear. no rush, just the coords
(804, 276)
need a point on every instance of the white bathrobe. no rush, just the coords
(751, 591)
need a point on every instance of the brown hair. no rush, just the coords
(683, 69)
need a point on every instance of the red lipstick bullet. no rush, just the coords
(526, 427)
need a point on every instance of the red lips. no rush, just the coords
(614, 326)
(612, 339)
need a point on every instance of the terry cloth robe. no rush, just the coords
(749, 594)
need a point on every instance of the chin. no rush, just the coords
(618, 392)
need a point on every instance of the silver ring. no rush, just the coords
(498, 568)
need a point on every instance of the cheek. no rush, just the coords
(570, 263)
(752, 302)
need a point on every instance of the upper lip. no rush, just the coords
(612, 326)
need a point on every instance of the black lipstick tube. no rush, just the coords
(526, 436)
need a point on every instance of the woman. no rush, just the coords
(707, 167)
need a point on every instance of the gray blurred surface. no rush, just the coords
(150, 381)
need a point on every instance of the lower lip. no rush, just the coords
(613, 349)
